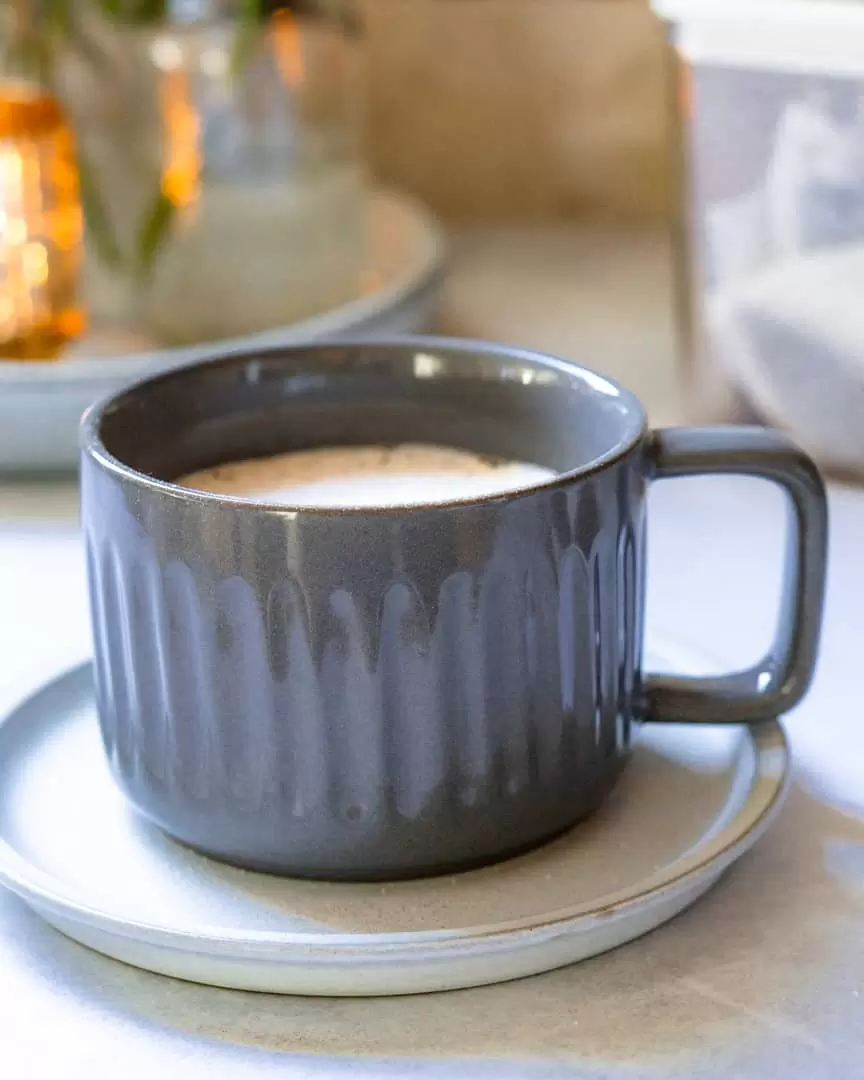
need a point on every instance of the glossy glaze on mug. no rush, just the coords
(370, 693)
(365, 693)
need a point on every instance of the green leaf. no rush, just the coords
(134, 11)
(96, 216)
(63, 28)
(154, 229)
(249, 20)
(56, 16)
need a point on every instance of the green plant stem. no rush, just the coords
(155, 227)
(61, 27)
(96, 216)
(132, 11)
(248, 24)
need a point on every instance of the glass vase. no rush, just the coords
(220, 159)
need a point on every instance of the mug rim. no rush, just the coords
(92, 445)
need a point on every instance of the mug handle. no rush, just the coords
(780, 680)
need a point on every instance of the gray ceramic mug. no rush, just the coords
(377, 693)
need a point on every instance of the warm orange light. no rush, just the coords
(181, 168)
(40, 226)
(34, 263)
(288, 47)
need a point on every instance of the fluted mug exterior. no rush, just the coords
(373, 693)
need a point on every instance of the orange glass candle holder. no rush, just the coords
(40, 225)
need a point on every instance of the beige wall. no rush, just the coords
(494, 109)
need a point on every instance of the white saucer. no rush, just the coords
(397, 293)
(691, 801)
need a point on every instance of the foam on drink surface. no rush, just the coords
(405, 475)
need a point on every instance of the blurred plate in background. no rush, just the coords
(397, 293)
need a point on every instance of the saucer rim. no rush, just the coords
(691, 873)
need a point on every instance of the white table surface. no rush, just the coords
(764, 976)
